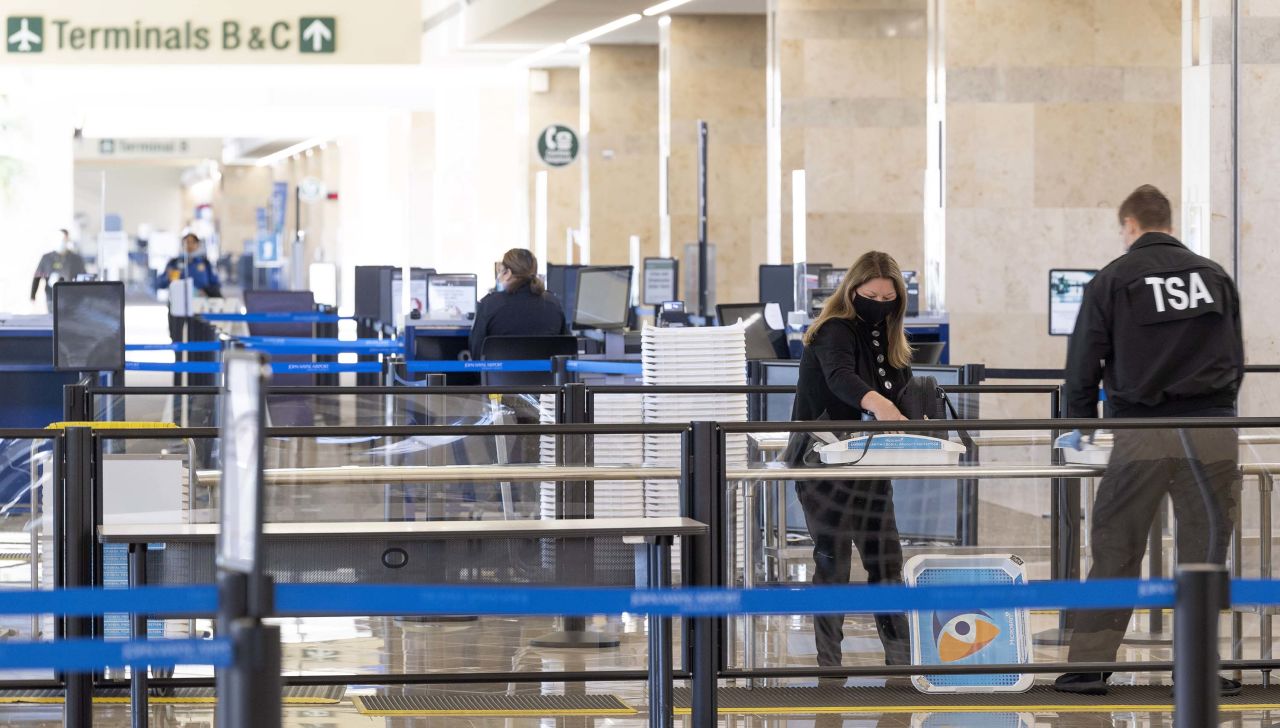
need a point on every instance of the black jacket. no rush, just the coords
(845, 361)
(1160, 326)
(516, 313)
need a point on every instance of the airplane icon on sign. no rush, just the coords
(22, 39)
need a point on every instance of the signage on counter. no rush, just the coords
(557, 146)
(230, 31)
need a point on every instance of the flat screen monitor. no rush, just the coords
(451, 296)
(660, 281)
(418, 278)
(373, 295)
(562, 282)
(759, 345)
(778, 285)
(88, 326)
(829, 276)
(604, 297)
(912, 279)
(1066, 292)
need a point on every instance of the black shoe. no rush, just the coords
(1227, 687)
(1082, 683)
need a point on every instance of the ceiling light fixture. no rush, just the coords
(287, 152)
(604, 29)
(661, 8)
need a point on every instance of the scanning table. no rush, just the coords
(652, 536)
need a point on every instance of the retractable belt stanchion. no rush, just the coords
(1202, 590)
(77, 548)
(702, 498)
(249, 691)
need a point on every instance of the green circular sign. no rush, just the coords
(557, 146)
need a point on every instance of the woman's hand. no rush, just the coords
(881, 408)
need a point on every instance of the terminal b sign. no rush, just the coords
(292, 31)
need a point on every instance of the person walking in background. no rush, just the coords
(63, 264)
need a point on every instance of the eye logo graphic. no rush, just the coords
(960, 634)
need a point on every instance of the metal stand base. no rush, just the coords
(576, 641)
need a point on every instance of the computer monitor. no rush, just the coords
(1066, 293)
(88, 326)
(912, 279)
(373, 292)
(418, 278)
(562, 282)
(778, 285)
(604, 297)
(828, 276)
(759, 343)
(660, 281)
(451, 297)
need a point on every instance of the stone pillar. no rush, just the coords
(1055, 112)
(1208, 133)
(715, 66)
(851, 74)
(619, 149)
(557, 105)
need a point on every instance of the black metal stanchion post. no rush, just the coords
(574, 499)
(701, 558)
(77, 507)
(1202, 590)
(661, 705)
(139, 691)
(249, 690)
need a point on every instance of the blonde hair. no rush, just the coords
(870, 266)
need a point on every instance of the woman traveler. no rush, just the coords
(856, 361)
(520, 306)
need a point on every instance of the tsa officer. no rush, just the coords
(63, 264)
(193, 265)
(1160, 328)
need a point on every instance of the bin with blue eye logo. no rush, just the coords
(969, 636)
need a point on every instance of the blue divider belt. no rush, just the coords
(373, 599)
(438, 367)
(280, 367)
(86, 655)
(284, 345)
(604, 367)
(274, 318)
(181, 367)
(179, 346)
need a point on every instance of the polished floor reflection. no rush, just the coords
(389, 646)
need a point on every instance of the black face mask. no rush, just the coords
(873, 312)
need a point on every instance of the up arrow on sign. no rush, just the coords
(318, 35)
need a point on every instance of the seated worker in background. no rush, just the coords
(63, 264)
(193, 265)
(520, 305)
(856, 360)
(1160, 327)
